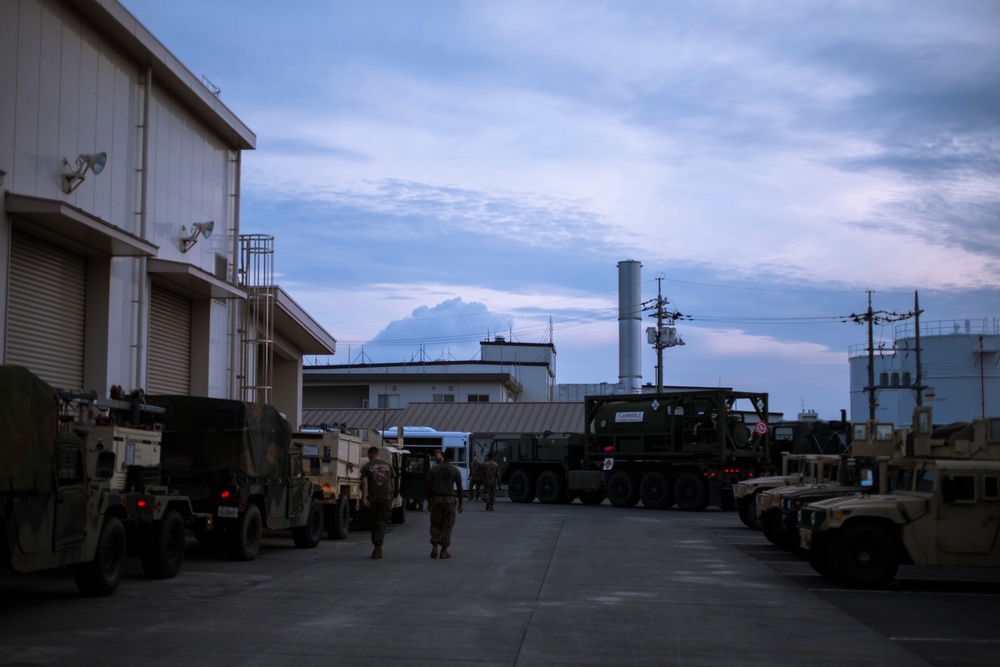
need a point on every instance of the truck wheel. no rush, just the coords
(623, 489)
(551, 488)
(338, 520)
(101, 575)
(818, 555)
(747, 508)
(654, 490)
(163, 546)
(399, 514)
(521, 488)
(591, 497)
(243, 537)
(310, 534)
(864, 556)
(691, 492)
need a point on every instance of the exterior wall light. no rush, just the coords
(197, 229)
(94, 162)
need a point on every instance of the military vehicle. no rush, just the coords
(874, 450)
(817, 471)
(685, 447)
(538, 465)
(333, 459)
(80, 483)
(943, 509)
(235, 460)
(796, 469)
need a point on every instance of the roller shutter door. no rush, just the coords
(47, 311)
(169, 343)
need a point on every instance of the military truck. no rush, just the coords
(538, 465)
(685, 447)
(823, 471)
(333, 459)
(236, 461)
(80, 483)
(943, 509)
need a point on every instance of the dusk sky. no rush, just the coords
(437, 172)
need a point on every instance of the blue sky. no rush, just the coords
(435, 172)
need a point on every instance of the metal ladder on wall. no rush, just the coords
(257, 324)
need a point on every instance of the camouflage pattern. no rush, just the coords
(379, 515)
(491, 479)
(443, 512)
(29, 419)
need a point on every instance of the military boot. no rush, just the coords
(434, 550)
(377, 552)
(444, 553)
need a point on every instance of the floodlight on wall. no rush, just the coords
(197, 229)
(85, 161)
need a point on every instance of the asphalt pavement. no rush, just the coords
(527, 585)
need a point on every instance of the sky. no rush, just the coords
(437, 173)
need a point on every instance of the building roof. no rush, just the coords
(479, 418)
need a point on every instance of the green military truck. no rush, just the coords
(943, 509)
(237, 463)
(538, 466)
(80, 481)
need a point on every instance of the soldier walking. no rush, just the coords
(475, 478)
(378, 486)
(444, 484)
(491, 479)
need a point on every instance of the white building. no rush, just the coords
(960, 372)
(119, 218)
(505, 372)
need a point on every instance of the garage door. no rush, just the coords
(46, 311)
(169, 343)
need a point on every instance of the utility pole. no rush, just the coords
(662, 336)
(872, 317)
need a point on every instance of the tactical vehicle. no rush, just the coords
(538, 466)
(80, 483)
(796, 469)
(235, 460)
(943, 509)
(817, 471)
(333, 459)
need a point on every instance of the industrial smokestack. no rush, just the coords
(629, 327)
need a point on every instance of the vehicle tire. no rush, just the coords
(769, 526)
(163, 546)
(690, 492)
(591, 497)
(551, 488)
(309, 535)
(864, 556)
(102, 575)
(243, 536)
(654, 491)
(623, 489)
(338, 519)
(521, 487)
(398, 514)
(818, 556)
(747, 508)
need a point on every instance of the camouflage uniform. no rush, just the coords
(475, 478)
(491, 479)
(443, 481)
(378, 474)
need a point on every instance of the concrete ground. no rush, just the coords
(527, 585)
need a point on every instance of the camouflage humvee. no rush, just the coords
(54, 510)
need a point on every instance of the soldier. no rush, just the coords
(444, 484)
(378, 486)
(475, 478)
(491, 479)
